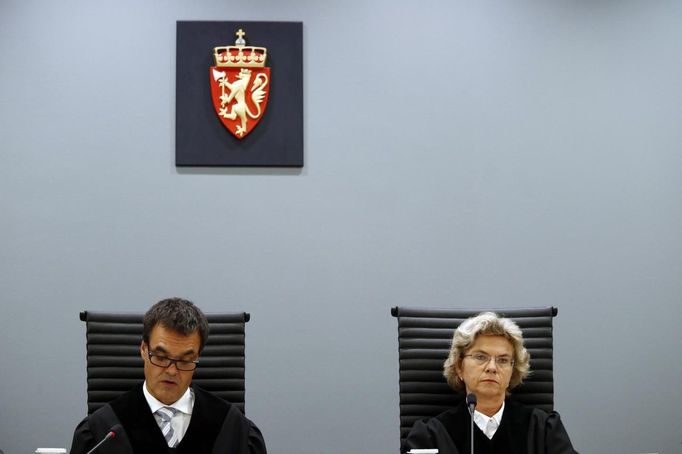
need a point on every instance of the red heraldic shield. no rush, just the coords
(240, 97)
(240, 85)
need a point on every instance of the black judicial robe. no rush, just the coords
(216, 426)
(523, 430)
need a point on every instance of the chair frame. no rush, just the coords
(424, 340)
(114, 364)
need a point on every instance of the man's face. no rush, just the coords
(169, 384)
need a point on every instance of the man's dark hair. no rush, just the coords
(178, 315)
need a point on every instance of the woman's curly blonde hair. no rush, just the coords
(486, 324)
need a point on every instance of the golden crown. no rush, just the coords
(240, 55)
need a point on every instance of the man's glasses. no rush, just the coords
(165, 362)
(481, 359)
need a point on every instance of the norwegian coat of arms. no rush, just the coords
(240, 85)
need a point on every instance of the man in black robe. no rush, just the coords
(165, 414)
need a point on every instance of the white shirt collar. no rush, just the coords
(183, 404)
(481, 420)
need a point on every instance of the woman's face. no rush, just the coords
(489, 380)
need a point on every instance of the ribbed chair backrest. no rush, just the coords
(424, 339)
(114, 364)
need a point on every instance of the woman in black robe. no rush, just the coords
(488, 359)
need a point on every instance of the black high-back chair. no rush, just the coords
(114, 364)
(424, 339)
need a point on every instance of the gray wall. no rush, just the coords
(483, 154)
